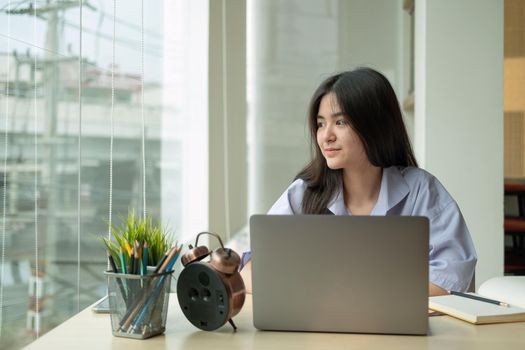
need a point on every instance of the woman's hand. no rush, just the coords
(433, 290)
(246, 274)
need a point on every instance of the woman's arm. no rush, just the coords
(434, 290)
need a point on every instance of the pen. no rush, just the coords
(145, 257)
(173, 259)
(128, 248)
(161, 261)
(123, 270)
(139, 316)
(475, 297)
(112, 263)
(115, 270)
(122, 261)
(169, 257)
(132, 262)
(136, 253)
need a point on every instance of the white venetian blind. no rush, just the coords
(100, 105)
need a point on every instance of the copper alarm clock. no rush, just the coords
(210, 292)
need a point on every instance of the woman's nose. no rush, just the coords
(329, 134)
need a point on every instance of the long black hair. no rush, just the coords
(370, 105)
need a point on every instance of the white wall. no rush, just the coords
(369, 35)
(227, 205)
(292, 47)
(459, 113)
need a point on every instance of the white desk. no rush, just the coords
(87, 330)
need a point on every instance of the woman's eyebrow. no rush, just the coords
(333, 115)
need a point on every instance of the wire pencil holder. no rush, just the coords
(138, 304)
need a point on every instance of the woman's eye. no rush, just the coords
(341, 122)
(320, 124)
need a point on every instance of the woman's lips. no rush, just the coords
(330, 152)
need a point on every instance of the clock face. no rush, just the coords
(202, 296)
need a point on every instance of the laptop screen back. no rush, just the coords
(364, 274)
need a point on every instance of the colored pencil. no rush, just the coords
(145, 258)
(122, 261)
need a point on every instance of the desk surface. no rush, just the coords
(88, 330)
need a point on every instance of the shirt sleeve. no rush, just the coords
(452, 257)
(290, 201)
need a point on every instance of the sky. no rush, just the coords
(97, 37)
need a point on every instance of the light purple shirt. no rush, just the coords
(412, 192)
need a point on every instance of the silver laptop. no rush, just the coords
(325, 273)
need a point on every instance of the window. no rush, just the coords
(46, 281)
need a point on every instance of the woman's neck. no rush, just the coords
(361, 189)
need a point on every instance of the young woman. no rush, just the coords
(363, 164)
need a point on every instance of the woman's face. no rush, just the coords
(339, 143)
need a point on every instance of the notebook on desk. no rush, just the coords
(324, 273)
(475, 311)
(509, 290)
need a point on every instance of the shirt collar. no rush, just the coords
(393, 189)
(337, 204)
